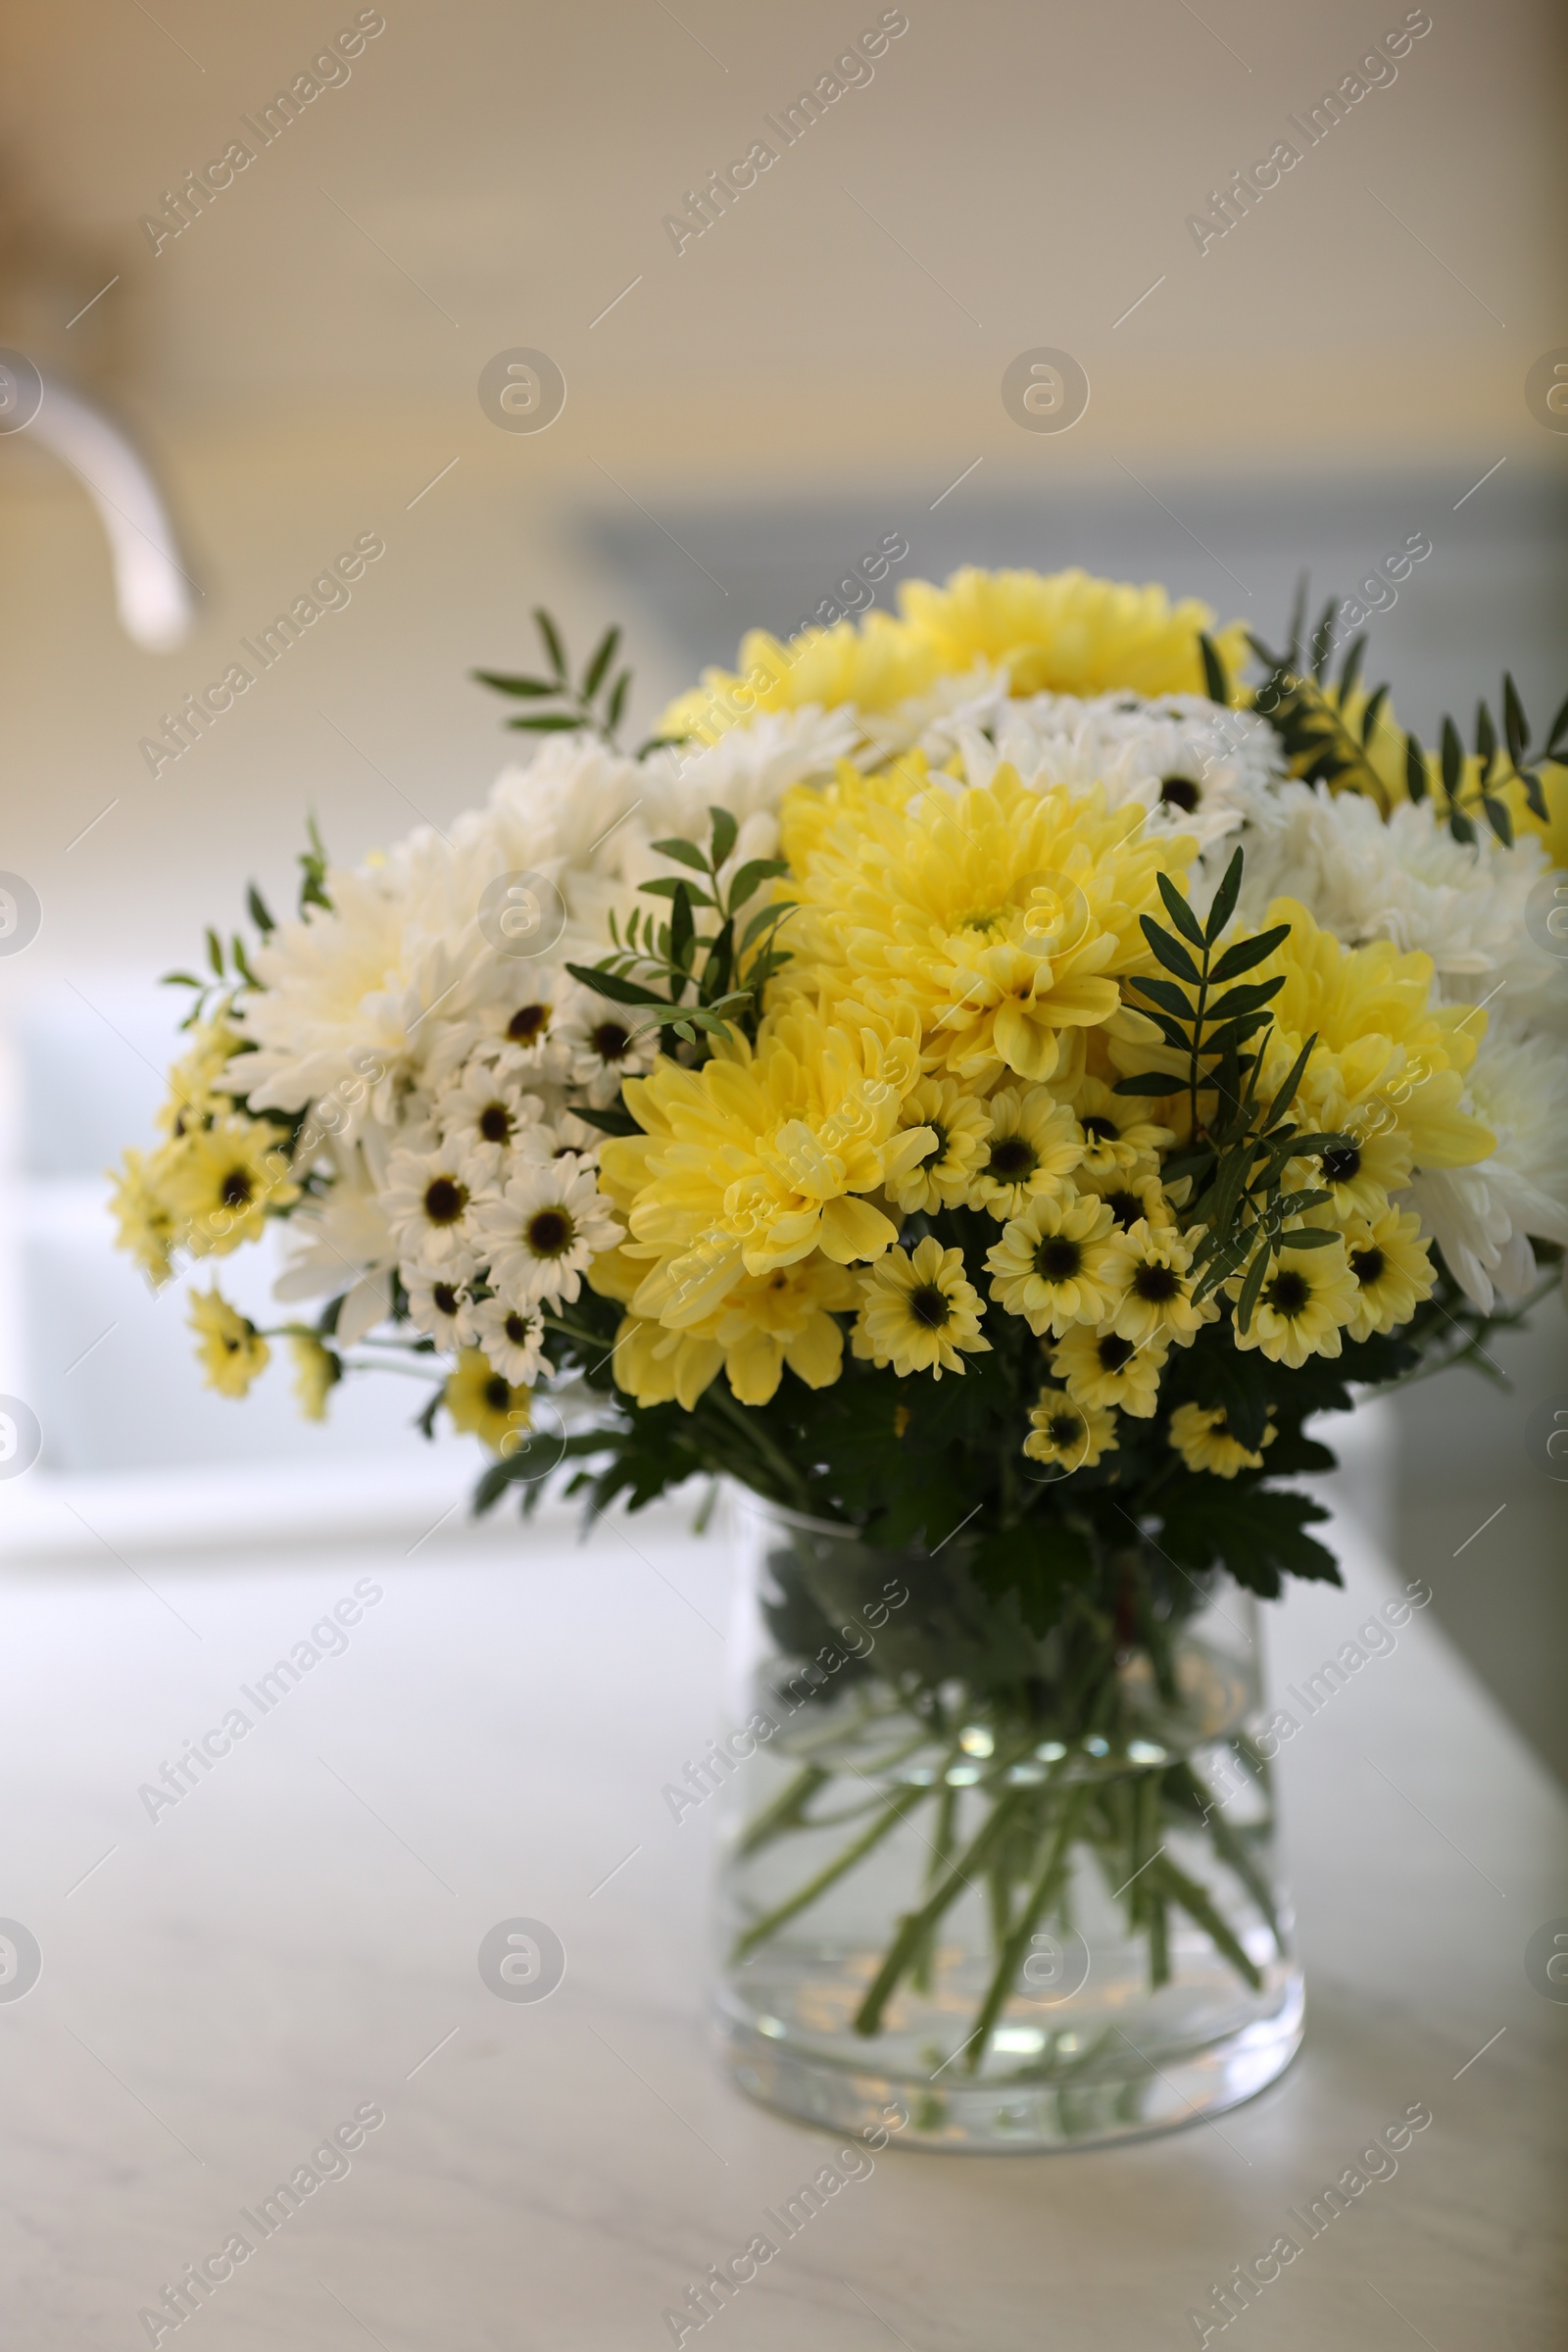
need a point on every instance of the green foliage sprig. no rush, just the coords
(579, 706)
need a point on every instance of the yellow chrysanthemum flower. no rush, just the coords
(947, 1173)
(656, 1366)
(1308, 1298)
(1201, 1435)
(224, 1180)
(485, 1404)
(1061, 1262)
(149, 1228)
(785, 1317)
(919, 1313)
(1159, 1297)
(232, 1351)
(1003, 919)
(760, 1157)
(875, 664)
(1034, 1146)
(1391, 1271)
(1101, 1370)
(317, 1373)
(1067, 1435)
(1065, 633)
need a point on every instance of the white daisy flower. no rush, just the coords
(428, 1201)
(513, 1337)
(439, 1304)
(602, 1047)
(484, 1115)
(542, 1228)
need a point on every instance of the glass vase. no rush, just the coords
(1020, 1889)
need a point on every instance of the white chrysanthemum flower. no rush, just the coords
(439, 1304)
(604, 1045)
(344, 1243)
(483, 1117)
(429, 1202)
(1403, 878)
(541, 1230)
(1191, 763)
(1482, 1217)
(512, 1339)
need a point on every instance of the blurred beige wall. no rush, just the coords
(304, 357)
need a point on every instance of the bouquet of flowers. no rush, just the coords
(983, 1079)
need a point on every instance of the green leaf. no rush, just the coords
(752, 874)
(685, 853)
(1149, 1082)
(256, 905)
(1415, 768)
(682, 929)
(214, 951)
(1251, 994)
(1247, 952)
(1323, 641)
(592, 677)
(725, 830)
(618, 704)
(1287, 1094)
(550, 722)
(1165, 992)
(1258, 1532)
(1534, 793)
(1453, 761)
(1252, 1288)
(1215, 683)
(763, 917)
(1556, 732)
(616, 985)
(180, 980)
(1498, 818)
(1169, 952)
(1459, 825)
(1224, 907)
(505, 682)
(1515, 725)
(1486, 743)
(666, 886)
(1181, 915)
(552, 642)
(1373, 713)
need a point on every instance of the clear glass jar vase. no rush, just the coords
(1023, 1890)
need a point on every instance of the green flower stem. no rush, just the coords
(1043, 1893)
(902, 1801)
(1230, 1846)
(784, 1812)
(941, 1845)
(1194, 1900)
(915, 1925)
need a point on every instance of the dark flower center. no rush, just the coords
(445, 1200)
(1157, 1284)
(1289, 1293)
(1179, 792)
(1114, 1351)
(1340, 1163)
(1058, 1259)
(1063, 1429)
(1367, 1265)
(609, 1041)
(1100, 1129)
(495, 1123)
(528, 1023)
(939, 1149)
(930, 1306)
(236, 1190)
(445, 1298)
(550, 1232)
(517, 1329)
(1012, 1158)
(1125, 1207)
(498, 1394)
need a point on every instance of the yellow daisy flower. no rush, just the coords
(1307, 1299)
(1059, 1263)
(1120, 1137)
(1067, 1435)
(946, 1175)
(917, 1313)
(1132, 1199)
(149, 1229)
(1391, 1271)
(486, 1406)
(1102, 1369)
(224, 1180)
(232, 1350)
(1033, 1146)
(316, 1372)
(194, 1096)
(1201, 1435)
(1158, 1297)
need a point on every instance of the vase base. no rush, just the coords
(1114, 2094)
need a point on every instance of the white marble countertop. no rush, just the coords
(295, 1940)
